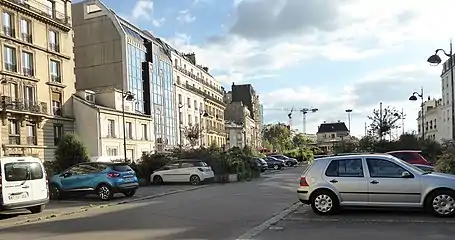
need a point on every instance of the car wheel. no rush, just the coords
(157, 180)
(289, 164)
(195, 180)
(36, 209)
(324, 203)
(276, 167)
(441, 203)
(104, 192)
(55, 192)
(129, 193)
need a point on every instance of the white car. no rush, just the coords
(23, 184)
(186, 170)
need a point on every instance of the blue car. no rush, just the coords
(100, 178)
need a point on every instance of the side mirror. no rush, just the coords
(406, 174)
(66, 174)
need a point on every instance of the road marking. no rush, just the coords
(267, 224)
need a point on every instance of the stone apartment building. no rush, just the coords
(36, 75)
(331, 134)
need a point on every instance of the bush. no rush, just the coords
(70, 151)
(446, 161)
(150, 163)
(51, 168)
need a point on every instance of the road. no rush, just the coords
(216, 212)
(362, 224)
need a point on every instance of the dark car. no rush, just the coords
(262, 164)
(287, 160)
(410, 156)
(274, 163)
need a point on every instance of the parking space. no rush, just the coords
(370, 223)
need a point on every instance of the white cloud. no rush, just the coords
(185, 16)
(159, 22)
(142, 9)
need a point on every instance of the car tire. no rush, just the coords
(324, 202)
(441, 203)
(157, 180)
(104, 192)
(129, 193)
(55, 193)
(195, 180)
(36, 209)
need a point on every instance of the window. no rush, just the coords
(381, 168)
(189, 102)
(58, 133)
(31, 134)
(178, 79)
(110, 128)
(190, 122)
(50, 7)
(201, 106)
(54, 41)
(10, 59)
(196, 120)
(111, 151)
(57, 104)
(129, 130)
(144, 132)
(14, 91)
(55, 71)
(27, 64)
(180, 98)
(29, 96)
(180, 117)
(195, 105)
(21, 171)
(8, 24)
(26, 30)
(345, 168)
(14, 132)
(171, 166)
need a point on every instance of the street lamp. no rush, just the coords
(128, 96)
(180, 106)
(349, 111)
(413, 97)
(435, 60)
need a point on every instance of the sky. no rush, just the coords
(331, 55)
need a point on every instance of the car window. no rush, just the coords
(199, 164)
(187, 165)
(21, 171)
(121, 168)
(173, 166)
(79, 169)
(89, 168)
(345, 168)
(384, 168)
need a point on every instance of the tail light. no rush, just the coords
(200, 169)
(113, 175)
(303, 182)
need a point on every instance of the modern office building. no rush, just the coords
(111, 52)
(37, 76)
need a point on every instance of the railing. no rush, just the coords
(54, 47)
(44, 10)
(200, 80)
(31, 140)
(55, 78)
(8, 31)
(206, 95)
(10, 67)
(28, 72)
(24, 105)
(26, 37)
(14, 139)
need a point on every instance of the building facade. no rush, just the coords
(331, 134)
(111, 52)
(238, 114)
(100, 114)
(434, 125)
(201, 85)
(36, 75)
(446, 108)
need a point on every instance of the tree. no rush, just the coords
(70, 151)
(366, 144)
(299, 140)
(446, 161)
(278, 135)
(192, 133)
(383, 121)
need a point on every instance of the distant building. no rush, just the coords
(435, 124)
(331, 134)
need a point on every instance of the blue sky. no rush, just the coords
(326, 54)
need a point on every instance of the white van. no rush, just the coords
(23, 184)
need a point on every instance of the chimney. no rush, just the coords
(206, 69)
(429, 98)
(191, 57)
(338, 120)
(324, 121)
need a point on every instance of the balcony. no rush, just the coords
(42, 10)
(28, 72)
(54, 47)
(14, 139)
(31, 140)
(200, 80)
(11, 67)
(206, 95)
(26, 37)
(23, 105)
(8, 31)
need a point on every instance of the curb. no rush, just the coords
(88, 207)
(272, 221)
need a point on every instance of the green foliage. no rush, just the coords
(278, 136)
(446, 160)
(150, 163)
(70, 151)
(383, 123)
(346, 147)
(300, 140)
(51, 168)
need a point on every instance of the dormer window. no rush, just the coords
(90, 97)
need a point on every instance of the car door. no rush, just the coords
(170, 172)
(87, 175)
(16, 185)
(347, 176)
(388, 187)
(38, 179)
(70, 179)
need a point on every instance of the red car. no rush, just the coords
(410, 156)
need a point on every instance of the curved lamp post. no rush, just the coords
(126, 96)
(349, 111)
(180, 106)
(413, 97)
(435, 60)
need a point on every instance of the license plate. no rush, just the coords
(128, 179)
(18, 196)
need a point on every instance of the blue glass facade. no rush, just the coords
(135, 56)
(162, 100)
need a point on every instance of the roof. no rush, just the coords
(99, 107)
(332, 127)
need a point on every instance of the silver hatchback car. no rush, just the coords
(375, 180)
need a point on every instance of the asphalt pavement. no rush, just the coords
(221, 211)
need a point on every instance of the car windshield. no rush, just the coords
(415, 168)
(21, 171)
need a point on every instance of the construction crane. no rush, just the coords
(290, 118)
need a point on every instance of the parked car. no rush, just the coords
(101, 178)
(23, 184)
(187, 170)
(410, 156)
(287, 160)
(274, 162)
(262, 164)
(375, 180)
(425, 168)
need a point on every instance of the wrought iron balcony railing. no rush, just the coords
(44, 10)
(24, 105)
